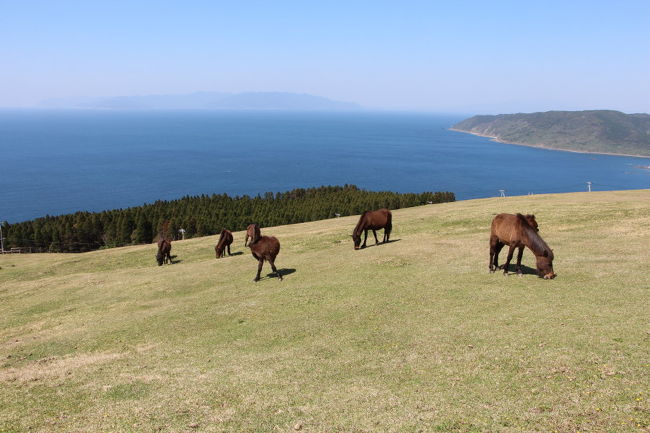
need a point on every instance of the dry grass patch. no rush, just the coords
(53, 368)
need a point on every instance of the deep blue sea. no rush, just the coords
(54, 162)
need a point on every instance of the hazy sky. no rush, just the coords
(453, 56)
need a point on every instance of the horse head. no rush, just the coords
(252, 232)
(357, 240)
(545, 265)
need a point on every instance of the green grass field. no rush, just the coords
(412, 336)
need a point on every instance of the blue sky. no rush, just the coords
(456, 56)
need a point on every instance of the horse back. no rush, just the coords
(225, 238)
(507, 228)
(164, 245)
(378, 219)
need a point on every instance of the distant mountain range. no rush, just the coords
(206, 101)
(602, 131)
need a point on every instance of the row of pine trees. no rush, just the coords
(201, 216)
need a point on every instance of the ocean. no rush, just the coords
(55, 162)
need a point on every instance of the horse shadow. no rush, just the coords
(283, 272)
(236, 253)
(382, 243)
(173, 260)
(525, 270)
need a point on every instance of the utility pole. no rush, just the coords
(502, 192)
(589, 186)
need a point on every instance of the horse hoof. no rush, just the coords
(255, 280)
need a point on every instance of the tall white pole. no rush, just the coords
(589, 186)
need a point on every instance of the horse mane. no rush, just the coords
(535, 241)
(357, 228)
(221, 236)
(257, 233)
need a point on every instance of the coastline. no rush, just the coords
(543, 146)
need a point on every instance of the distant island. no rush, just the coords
(205, 101)
(597, 131)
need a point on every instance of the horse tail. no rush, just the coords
(389, 222)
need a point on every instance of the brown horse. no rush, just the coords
(224, 243)
(262, 248)
(164, 252)
(516, 231)
(372, 220)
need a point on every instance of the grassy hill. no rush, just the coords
(605, 131)
(411, 336)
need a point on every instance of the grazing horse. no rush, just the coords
(517, 232)
(262, 248)
(164, 252)
(372, 220)
(224, 243)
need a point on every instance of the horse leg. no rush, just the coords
(491, 264)
(229, 253)
(498, 249)
(519, 255)
(365, 239)
(259, 269)
(272, 262)
(374, 232)
(511, 251)
(494, 253)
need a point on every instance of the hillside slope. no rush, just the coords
(414, 335)
(603, 131)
